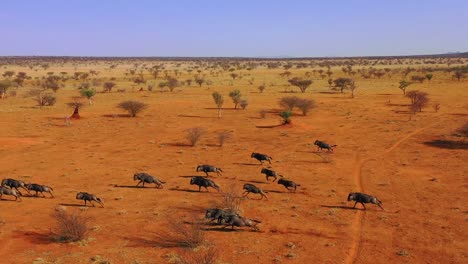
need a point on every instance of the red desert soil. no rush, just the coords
(379, 152)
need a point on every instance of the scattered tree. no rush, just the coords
(4, 86)
(199, 80)
(108, 86)
(303, 84)
(194, 134)
(70, 227)
(286, 115)
(458, 75)
(219, 101)
(243, 103)
(42, 97)
(429, 76)
(261, 88)
(132, 107)
(403, 85)
(223, 136)
(89, 94)
(419, 100)
(305, 105)
(343, 83)
(436, 107)
(236, 97)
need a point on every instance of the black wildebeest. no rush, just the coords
(202, 182)
(270, 173)
(261, 157)
(250, 188)
(14, 184)
(8, 191)
(240, 221)
(88, 197)
(40, 189)
(209, 168)
(220, 215)
(288, 184)
(146, 178)
(322, 145)
(364, 198)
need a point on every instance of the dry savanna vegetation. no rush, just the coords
(96, 124)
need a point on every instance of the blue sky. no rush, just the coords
(232, 28)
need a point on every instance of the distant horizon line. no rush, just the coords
(448, 54)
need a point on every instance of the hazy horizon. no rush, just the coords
(261, 29)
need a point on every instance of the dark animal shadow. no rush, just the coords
(342, 207)
(447, 144)
(246, 164)
(134, 187)
(187, 190)
(275, 191)
(327, 92)
(195, 116)
(459, 114)
(37, 238)
(8, 200)
(385, 94)
(215, 108)
(75, 205)
(188, 176)
(229, 229)
(260, 182)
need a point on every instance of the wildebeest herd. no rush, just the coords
(222, 216)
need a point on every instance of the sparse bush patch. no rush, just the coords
(132, 107)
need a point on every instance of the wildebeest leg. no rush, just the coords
(355, 204)
(206, 189)
(269, 161)
(143, 184)
(207, 174)
(84, 202)
(364, 206)
(139, 182)
(380, 205)
(51, 194)
(199, 188)
(245, 193)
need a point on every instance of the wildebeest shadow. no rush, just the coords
(190, 176)
(341, 207)
(215, 108)
(447, 144)
(229, 229)
(270, 126)
(75, 205)
(246, 164)
(187, 190)
(134, 187)
(385, 94)
(458, 114)
(37, 238)
(9, 200)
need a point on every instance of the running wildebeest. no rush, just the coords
(8, 191)
(261, 157)
(40, 189)
(288, 184)
(209, 168)
(250, 188)
(218, 214)
(364, 198)
(88, 197)
(270, 173)
(240, 221)
(202, 182)
(322, 145)
(146, 178)
(14, 184)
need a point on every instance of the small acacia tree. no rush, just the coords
(403, 85)
(303, 84)
(236, 97)
(219, 101)
(419, 100)
(261, 88)
(199, 80)
(194, 134)
(132, 107)
(89, 94)
(108, 86)
(343, 83)
(286, 115)
(429, 76)
(4, 86)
